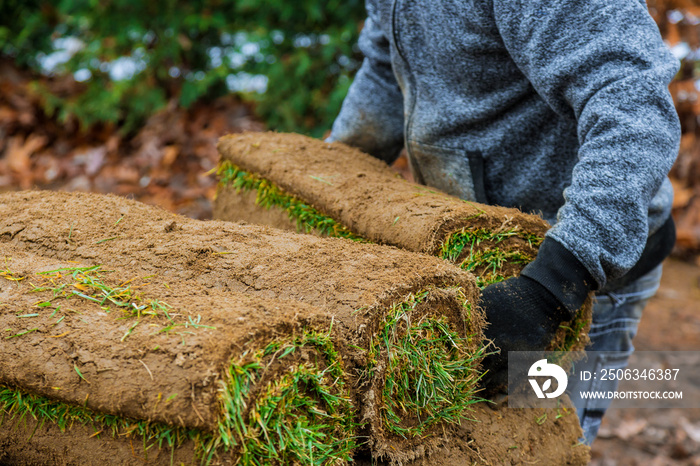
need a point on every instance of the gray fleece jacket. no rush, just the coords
(557, 107)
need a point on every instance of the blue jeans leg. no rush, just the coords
(616, 315)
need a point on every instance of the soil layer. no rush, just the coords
(242, 205)
(86, 354)
(487, 436)
(30, 442)
(513, 437)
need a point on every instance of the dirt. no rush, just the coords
(262, 262)
(652, 436)
(206, 267)
(27, 442)
(489, 436)
(133, 376)
(243, 204)
(494, 436)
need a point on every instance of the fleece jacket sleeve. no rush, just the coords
(371, 117)
(604, 64)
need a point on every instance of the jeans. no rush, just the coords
(616, 316)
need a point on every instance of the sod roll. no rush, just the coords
(295, 182)
(174, 364)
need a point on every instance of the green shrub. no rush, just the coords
(191, 50)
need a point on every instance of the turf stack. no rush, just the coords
(295, 182)
(242, 342)
(188, 341)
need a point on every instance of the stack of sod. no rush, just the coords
(195, 341)
(295, 182)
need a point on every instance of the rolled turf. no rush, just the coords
(296, 182)
(209, 342)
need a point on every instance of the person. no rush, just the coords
(557, 107)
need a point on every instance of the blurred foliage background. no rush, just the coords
(294, 59)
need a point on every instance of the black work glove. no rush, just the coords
(524, 312)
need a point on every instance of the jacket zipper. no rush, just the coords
(393, 31)
(407, 126)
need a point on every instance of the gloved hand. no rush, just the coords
(524, 312)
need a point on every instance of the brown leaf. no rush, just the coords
(170, 153)
(7, 114)
(628, 428)
(19, 151)
(688, 238)
(682, 196)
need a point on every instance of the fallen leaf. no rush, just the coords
(628, 428)
(170, 153)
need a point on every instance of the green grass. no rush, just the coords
(18, 404)
(9, 275)
(87, 283)
(572, 334)
(268, 195)
(486, 263)
(308, 219)
(456, 242)
(303, 417)
(429, 378)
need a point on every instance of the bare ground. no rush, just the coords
(668, 437)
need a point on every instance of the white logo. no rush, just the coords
(543, 369)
